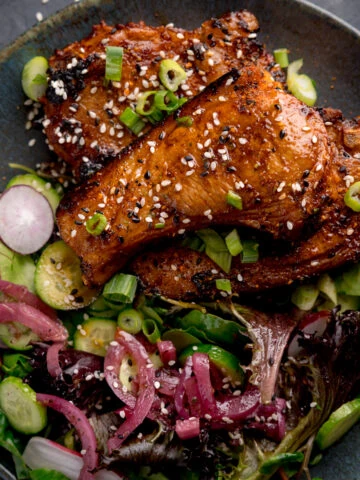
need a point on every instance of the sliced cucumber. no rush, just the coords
(17, 268)
(94, 336)
(338, 424)
(18, 402)
(34, 80)
(225, 361)
(58, 279)
(305, 296)
(17, 336)
(40, 185)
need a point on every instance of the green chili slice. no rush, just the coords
(171, 74)
(130, 320)
(113, 63)
(96, 224)
(352, 197)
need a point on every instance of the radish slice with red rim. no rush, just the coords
(26, 219)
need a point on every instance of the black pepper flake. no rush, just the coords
(282, 134)
(147, 175)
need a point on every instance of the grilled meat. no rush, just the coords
(244, 134)
(81, 113)
(191, 274)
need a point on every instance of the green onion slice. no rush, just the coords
(130, 320)
(352, 197)
(96, 224)
(145, 104)
(171, 74)
(121, 288)
(250, 253)
(167, 101)
(132, 120)
(223, 284)
(34, 80)
(300, 85)
(282, 57)
(151, 330)
(305, 296)
(113, 64)
(186, 121)
(234, 200)
(233, 243)
(215, 248)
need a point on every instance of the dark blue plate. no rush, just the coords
(330, 49)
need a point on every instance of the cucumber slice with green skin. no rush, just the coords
(17, 268)
(94, 336)
(33, 79)
(225, 361)
(17, 336)
(40, 185)
(338, 424)
(58, 279)
(18, 402)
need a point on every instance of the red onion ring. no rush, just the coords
(21, 294)
(52, 359)
(112, 363)
(146, 392)
(180, 389)
(78, 419)
(45, 327)
(188, 428)
(201, 368)
(167, 352)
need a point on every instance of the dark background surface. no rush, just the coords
(19, 15)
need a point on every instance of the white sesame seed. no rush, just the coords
(32, 142)
(314, 139)
(181, 231)
(289, 225)
(165, 183)
(157, 384)
(242, 141)
(39, 16)
(178, 187)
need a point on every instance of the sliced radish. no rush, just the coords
(26, 219)
(312, 324)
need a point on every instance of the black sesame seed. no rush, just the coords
(135, 218)
(147, 175)
(120, 239)
(306, 173)
(282, 134)
(85, 209)
(343, 169)
(78, 222)
(278, 106)
(231, 169)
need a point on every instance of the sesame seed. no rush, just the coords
(157, 384)
(32, 142)
(306, 128)
(242, 141)
(186, 220)
(252, 35)
(178, 187)
(165, 183)
(39, 16)
(314, 139)
(181, 231)
(289, 225)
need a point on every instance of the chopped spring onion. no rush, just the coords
(352, 197)
(96, 224)
(132, 120)
(113, 66)
(34, 80)
(215, 248)
(130, 320)
(305, 296)
(326, 286)
(167, 101)
(145, 106)
(300, 85)
(234, 200)
(193, 242)
(223, 284)
(250, 253)
(159, 225)
(151, 330)
(282, 57)
(186, 121)
(171, 74)
(233, 243)
(121, 288)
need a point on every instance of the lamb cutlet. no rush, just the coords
(190, 274)
(246, 135)
(81, 113)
